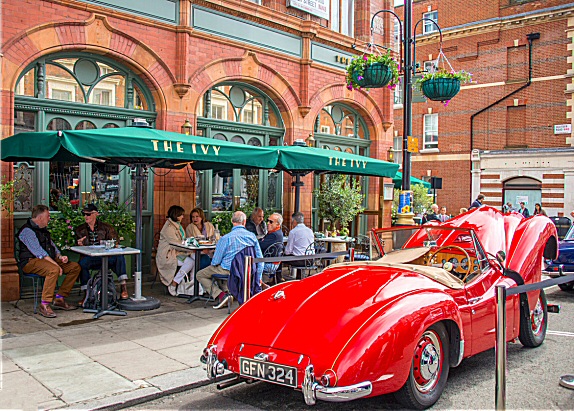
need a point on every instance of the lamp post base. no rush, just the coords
(405, 219)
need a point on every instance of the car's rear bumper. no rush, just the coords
(313, 391)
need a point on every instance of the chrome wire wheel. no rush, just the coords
(537, 318)
(427, 362)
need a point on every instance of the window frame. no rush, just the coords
(428, 27)
(430, 125)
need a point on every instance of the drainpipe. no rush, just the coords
(531, 37)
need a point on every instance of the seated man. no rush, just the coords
(91, 233)
(39, 255)
(300, 237)
(274, 235)
(432, 216)
(255, 224)
(225, 251)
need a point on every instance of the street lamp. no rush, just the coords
(408, 43)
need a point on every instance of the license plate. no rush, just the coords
(275, 373)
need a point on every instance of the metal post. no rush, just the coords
(297, 184)
(500, 348)
(407, 94)
(139, 177)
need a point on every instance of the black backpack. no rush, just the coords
(93, 299)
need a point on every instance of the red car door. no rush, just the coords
(481, 298)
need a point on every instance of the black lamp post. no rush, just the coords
(408, 43)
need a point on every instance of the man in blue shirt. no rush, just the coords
(225, 251)
(39, 255)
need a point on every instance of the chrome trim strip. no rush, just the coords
(312, 390)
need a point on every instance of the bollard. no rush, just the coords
(500, 348)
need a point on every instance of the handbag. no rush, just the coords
(185, 287)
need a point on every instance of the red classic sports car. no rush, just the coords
(398, 323)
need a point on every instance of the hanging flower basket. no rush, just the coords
(372, 71)
(376, 75)
(440, 89)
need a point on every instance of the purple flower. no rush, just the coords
(70, 227)
(349, 87)
(68, 221)
(445, 103)
(365, 58)
(360, 78)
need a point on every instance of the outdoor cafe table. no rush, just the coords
(338, 243)
(197, 251)
(100, 251)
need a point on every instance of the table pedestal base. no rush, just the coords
(99, 313)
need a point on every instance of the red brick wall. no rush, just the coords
(485, 54)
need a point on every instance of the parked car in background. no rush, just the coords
(397, 324)
(565, 260)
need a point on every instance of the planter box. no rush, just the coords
(440, 89)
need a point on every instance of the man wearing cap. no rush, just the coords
(39, 255)
(91, 233)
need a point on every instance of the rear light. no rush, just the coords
(329, 378)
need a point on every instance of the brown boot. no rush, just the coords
(124, 293)
(61, 304)
(46, 311)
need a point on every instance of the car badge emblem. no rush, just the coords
(262, 357)
(279, 294)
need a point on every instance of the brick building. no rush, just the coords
(256, 72)
(509, 133)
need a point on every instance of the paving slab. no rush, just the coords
(139, 364)
(116, 401)
(95, 341)
(27, 340)
(84, 381)
(13, 386)
(188, 354)
(46, 357)
(164, 340)
(8, 365)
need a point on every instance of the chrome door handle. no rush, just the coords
(474, 300)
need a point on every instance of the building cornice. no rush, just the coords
(500, 23)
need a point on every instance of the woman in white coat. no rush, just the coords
(167, 257)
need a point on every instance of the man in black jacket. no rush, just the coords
(274, 235)
(39, 255)
(255, 224)
(432, 216)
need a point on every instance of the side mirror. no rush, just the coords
(500, 256)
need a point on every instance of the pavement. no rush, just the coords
(77, 362)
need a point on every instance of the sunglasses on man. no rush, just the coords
(271, 222)
(87, 214)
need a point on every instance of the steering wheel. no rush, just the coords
(456, 247)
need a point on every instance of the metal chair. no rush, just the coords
(310, 263)
(37, 280)
(270, 269)
(362, 248)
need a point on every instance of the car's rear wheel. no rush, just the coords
(429, 370)
(533, 324)
(566, 286)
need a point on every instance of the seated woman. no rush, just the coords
(200, 227)
(167, 257)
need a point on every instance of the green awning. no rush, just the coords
(298, 159)
(131, 145)
(398, 181)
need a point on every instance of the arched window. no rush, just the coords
(243, 114)
(339, 127)
(76, 91)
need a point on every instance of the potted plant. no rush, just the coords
(63, 223)
(372, 71)
(338, 201)
(442, 85)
